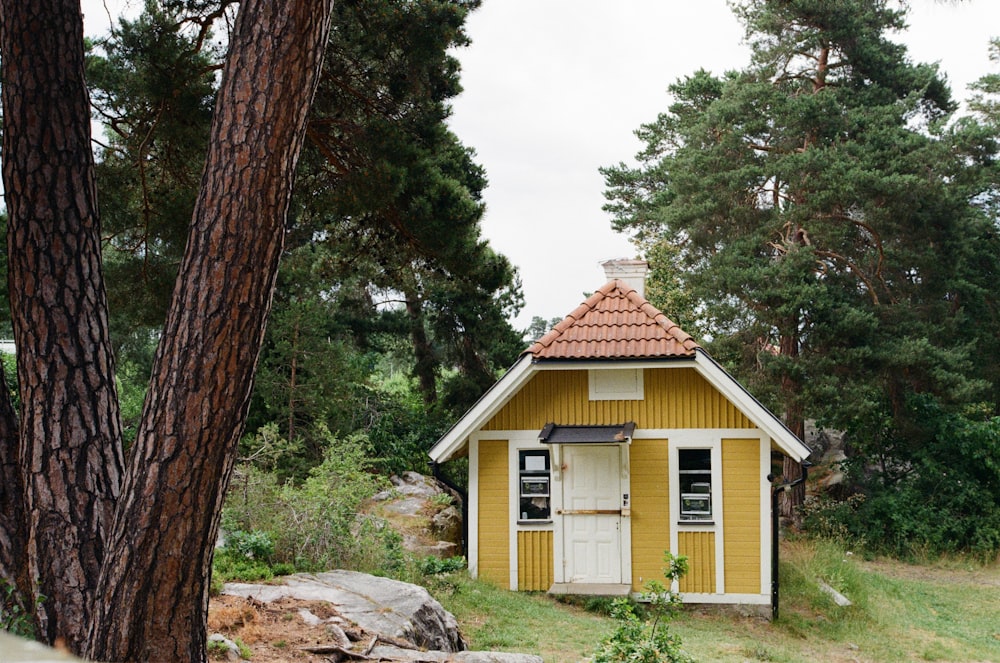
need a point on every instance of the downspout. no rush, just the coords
(776, 490)
(440, 476)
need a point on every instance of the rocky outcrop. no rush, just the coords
(390, 653)
(373, 618)
(426, 513)
(378, 605)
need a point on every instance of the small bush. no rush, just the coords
(432, 566)
(314, 525)
(637, 641)
(252, 545)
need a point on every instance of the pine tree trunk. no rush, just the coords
(424, 360)
(13, 524)
(792, 499)
(70, 451)
(154, 587)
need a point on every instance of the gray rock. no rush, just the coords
(442, 549)
(447, 524)
(18, 650)
(388, 652)
(232, 649)
(380, 605)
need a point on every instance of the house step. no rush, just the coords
(590, 589)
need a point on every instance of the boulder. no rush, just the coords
(447, 524)
(380, 605)
(416, 509)
(390, 653)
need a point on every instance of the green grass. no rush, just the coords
(941, 611)
(531, 623)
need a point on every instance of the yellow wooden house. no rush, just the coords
(616, 437)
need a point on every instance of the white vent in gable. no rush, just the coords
(616, 384)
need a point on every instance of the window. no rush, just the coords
(695, 470)
(533, 485)
(616, 384)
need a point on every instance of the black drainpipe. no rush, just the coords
(775, 530)
(439, 475)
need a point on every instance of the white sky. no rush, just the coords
(555, 88)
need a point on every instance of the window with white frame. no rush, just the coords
(695, 476)
(534, 479)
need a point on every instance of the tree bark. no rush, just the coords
(154, 587)
(70, 454)
(794, 498)
(13, 523)
(425, 362)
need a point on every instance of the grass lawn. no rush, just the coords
(945, 611)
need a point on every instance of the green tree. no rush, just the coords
(121, 551)
(388, 203)
(153, 85)
(821, 214)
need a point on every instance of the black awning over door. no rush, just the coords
(616, 434)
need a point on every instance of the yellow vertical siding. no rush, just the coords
(699, 547)
(674, 398)
(534, 561)
(741, 515)
(494, 512)
(650, 510)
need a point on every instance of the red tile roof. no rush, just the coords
(616, 322)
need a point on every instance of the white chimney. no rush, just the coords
(632, 272)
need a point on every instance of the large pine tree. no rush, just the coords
(116, 556)
(820, 214)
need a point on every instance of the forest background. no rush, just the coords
(824, 218)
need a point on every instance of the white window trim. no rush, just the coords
(698, 439)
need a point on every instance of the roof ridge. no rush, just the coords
(602, 338)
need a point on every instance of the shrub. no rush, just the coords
(649, 641)
(432, 566)
(252, 545)
(314, 525)
(944, 499)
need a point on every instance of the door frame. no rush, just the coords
(559, 533)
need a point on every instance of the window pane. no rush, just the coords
(533, 485)
(695, 480)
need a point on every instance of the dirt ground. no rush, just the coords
(277, 631)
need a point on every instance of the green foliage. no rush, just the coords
(387, 205)
(650, 641)
(398, 424)
(252, 545)
(823, 221)
(945, 499)
(132, 386)
(152, 83)
(432, 566)
(13, 616)
(244, 650)
(217, 649)
(313, 525)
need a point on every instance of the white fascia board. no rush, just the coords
(760, 415)
(726, 599)
(487, 405)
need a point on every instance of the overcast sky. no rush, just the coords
(555, 88)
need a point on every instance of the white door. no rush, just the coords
(591, 514)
